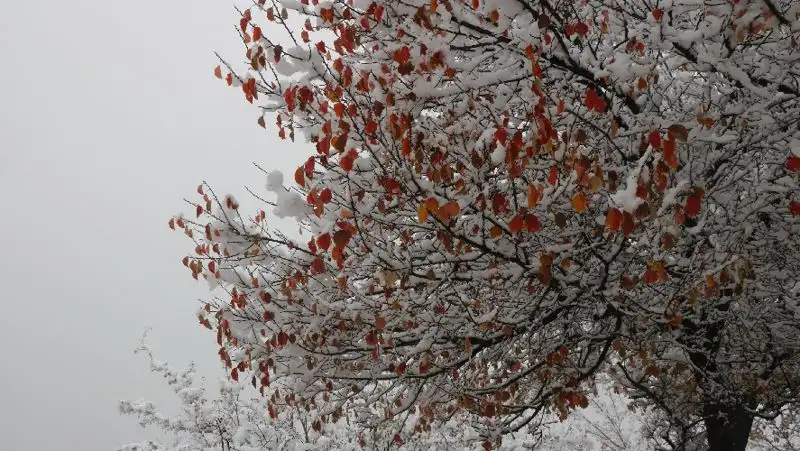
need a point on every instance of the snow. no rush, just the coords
(275, 181)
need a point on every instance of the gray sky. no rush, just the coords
(109, 116)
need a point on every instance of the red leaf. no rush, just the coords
(553, 178)
(670, 155)
(309, 167)
(658, 13)
(793, 164)
(655, 139)
(218, 72)
(402, 55)
(341, 238)
(371, 127)
(692, 207)
(532, 223)
(324, 241)
(515, 225)
(318, 266)
(501, 135)
(628, 224)
(794, 208)
(326, 195)
(338, 109)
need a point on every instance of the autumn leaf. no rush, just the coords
(533, 196)
(449, 210)
(324, 241)
(613, 219)
(794, 208)
(422, 214)
(299, 176)
(515, 225)
(402, 55)
(594, 102)
(793, 164)
(495, 231)
(678, 132)
(628, 223)
(692, 207)
(532, 223)
(317, 266)
(341, 238)
(218, 72)
(432, 205)
(553, 176)
(654, 139)
(579, 202)
(670, 154)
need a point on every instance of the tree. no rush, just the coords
(504, 199)
(234, 421)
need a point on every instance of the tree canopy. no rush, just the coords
(502, 199)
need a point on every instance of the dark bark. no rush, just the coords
(727, 427)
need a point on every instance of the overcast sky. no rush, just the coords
(109, 116)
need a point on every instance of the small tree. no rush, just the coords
(506, 198)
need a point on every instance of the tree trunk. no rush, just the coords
(727, 427)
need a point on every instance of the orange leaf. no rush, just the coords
(533, 196)
(579, 202)
(432, 205)
(422, 214)
(299, 176)
(495, 231)
(613, 219)
(449, 209)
